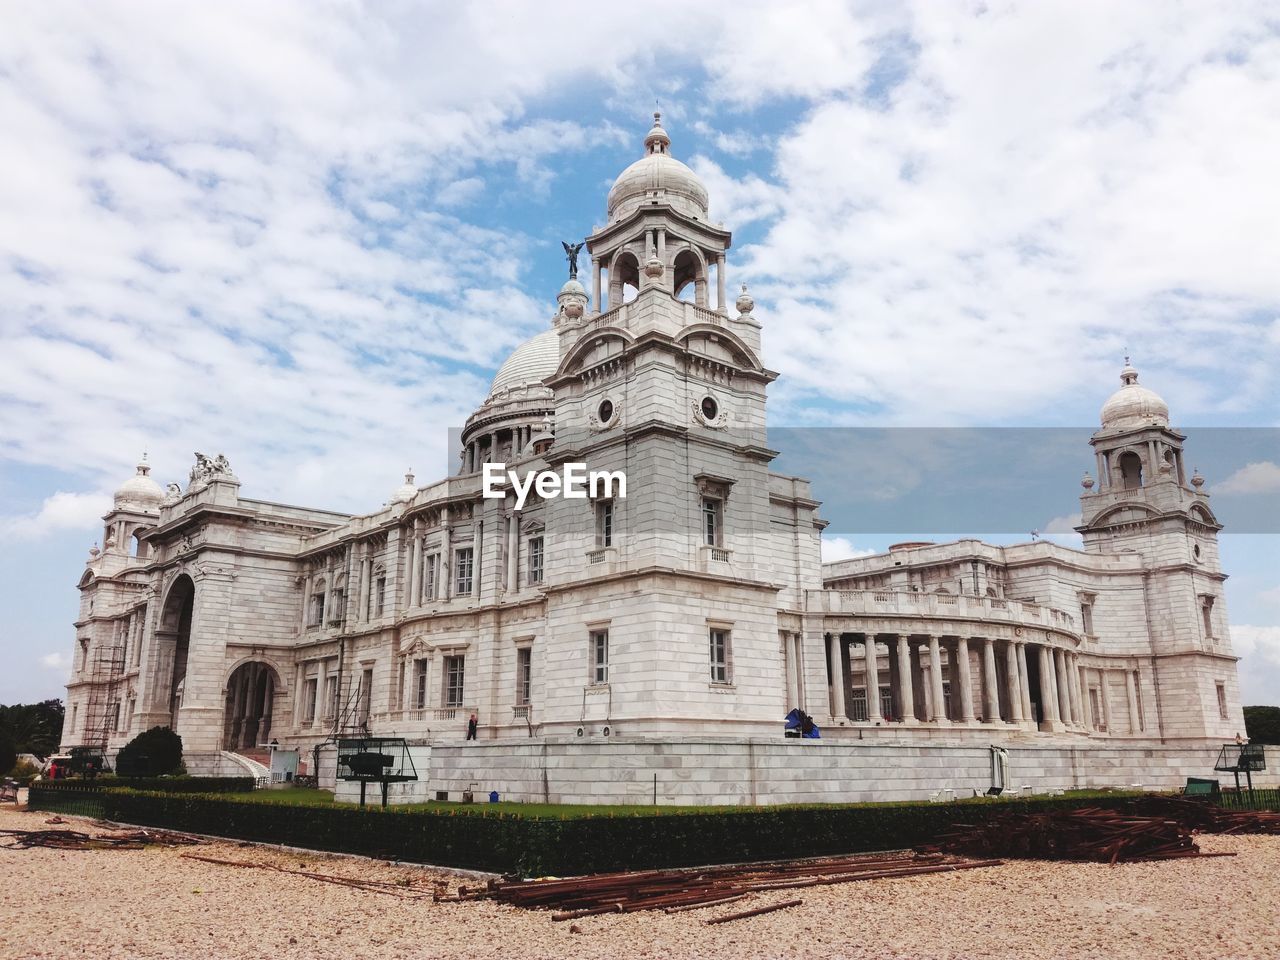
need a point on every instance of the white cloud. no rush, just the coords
(1261, 477)
(842, 548)
(1063, 525)
(60, 662)
(61, 511)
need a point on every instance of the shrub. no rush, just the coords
(24, 771)
(176, 784)
(152, 753)
(502, 842)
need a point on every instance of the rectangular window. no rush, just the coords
(366, 695)
(380, 595)
(535, 560)
(1086, 618)
(1137, 692)
(1222, 701)
(430, 572)
(1095, 708)
(711, 521)
(317, 609)
(338, 606)
(599, 656)
(524, 676)
(420, 684)
(604, 523)
(1206, 609)
(719, 656)
(115, 716)
(462, 561)
(309, 701)
(330, 697)
(454, 676)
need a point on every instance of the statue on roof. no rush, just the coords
(571, 254)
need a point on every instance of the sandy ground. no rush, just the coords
(153, 903)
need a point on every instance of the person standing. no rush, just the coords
(471, 727)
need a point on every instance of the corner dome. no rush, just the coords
(529, 364)
(657, 176)
(140, 490)
(406, 491)
(1132, 405)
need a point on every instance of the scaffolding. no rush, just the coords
(102, 715)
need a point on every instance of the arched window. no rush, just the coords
(139, 548)
(689, 278)
(1130, 470)
(624, 278)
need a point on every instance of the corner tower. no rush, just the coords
(689, 571)
(1143, 502)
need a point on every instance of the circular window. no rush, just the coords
(605, 411)
(710, 409)
(1195, 552)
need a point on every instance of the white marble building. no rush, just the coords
(652, 643)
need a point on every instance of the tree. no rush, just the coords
(8, 752)
(33, 727)
(152, 753)
(1262, 724)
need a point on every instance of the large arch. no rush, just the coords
(251, 692)
(173, 641)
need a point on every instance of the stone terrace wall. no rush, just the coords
(738, 772)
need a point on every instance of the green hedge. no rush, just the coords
(156, 784)
(532, 846)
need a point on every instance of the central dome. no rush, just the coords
(529, 364)
(657, 177)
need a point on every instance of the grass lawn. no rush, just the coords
(307, 797)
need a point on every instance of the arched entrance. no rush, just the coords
(246, 718)
(173, 640)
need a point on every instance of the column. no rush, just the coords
(595, 285)
(513, 552)
(1086, 708)
(1048, 690)
(837, 675)
(872, 672)
(906, 698)
(1132, 694)
(1014, 680)
(789, 668)
(799, 662)
(662, 245)
(446, 559)
(1104, 692)
(1063, 685)
(1073, 688)
(990, 681)
(720, 303)
(962, 672)
(937, 702)
(415, 566)
(362, 589)
(1024, 683)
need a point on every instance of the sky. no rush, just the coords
(304, 234)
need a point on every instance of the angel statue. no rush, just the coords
(571, 254)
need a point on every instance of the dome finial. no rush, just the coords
(1128, 374)
(656, 140)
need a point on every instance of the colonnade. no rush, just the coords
(247, 717)
(944, 680)
(484, 446)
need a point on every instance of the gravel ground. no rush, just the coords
(153, 903)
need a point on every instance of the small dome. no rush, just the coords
(573, 288)
(530, 363)
(406, 491)
(140, 490)
(657, 176)
(1132, 405)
